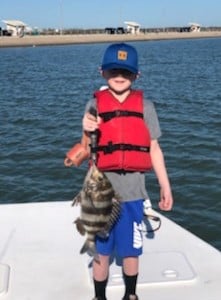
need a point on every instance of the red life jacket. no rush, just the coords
(124, 139)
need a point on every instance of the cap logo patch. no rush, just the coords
(122, 55)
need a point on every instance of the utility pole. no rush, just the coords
(61, 17)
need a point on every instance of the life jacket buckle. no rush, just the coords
(109, 149)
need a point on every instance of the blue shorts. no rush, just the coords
(126, 235)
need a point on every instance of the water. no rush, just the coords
(43, 91)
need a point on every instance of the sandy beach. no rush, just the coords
(41, 40)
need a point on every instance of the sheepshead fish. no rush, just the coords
(100, 209)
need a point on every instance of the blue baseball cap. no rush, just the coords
(120, 56)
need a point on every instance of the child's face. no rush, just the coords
(119, 80)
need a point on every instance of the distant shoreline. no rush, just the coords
(49, 40)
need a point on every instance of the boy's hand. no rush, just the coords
(166, 199)
(90, 123)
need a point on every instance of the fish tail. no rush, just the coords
(80, 226)
(90, 248)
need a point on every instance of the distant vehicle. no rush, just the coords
(185, 29)
(118, 30)
(121, 30)
(4, 32)
(110, 30)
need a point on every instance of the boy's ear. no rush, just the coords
(138, 75)
(104, 74)
(135, 76)
(101, 71)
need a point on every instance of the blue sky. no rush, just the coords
(99, 13)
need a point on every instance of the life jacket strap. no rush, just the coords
(107, 116)
(110, 147)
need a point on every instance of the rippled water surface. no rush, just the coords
(43, 91)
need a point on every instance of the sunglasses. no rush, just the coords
(122, 72)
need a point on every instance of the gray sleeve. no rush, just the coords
(151, 118)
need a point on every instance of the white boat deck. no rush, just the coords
(39, 259)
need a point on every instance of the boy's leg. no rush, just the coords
(130, 272)
(100, 276)
(129, 246)
(130, 265)
(101, 269)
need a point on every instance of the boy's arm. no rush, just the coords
(157, 157)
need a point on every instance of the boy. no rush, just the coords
(127, 147)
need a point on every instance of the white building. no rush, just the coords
(16, 27)
(194, 27)
(132, 27)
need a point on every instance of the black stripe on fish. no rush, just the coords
(93, 224)
(97, 211)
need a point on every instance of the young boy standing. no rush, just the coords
(127, 148)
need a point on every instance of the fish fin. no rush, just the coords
(90, 249)
(114, 216)
(80, 226)
(117, 197)
(77, 199)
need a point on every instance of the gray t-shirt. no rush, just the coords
(131, 185)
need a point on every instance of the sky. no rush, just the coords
(86, 14)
